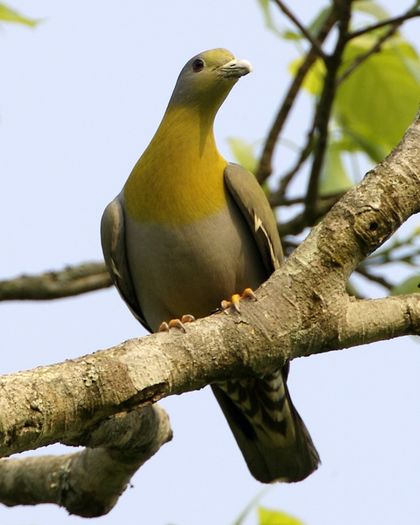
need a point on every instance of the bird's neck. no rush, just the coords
(179, 177)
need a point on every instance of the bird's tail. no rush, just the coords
(268, 429)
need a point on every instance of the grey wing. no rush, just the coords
(114, 250)
(269, 431)
(251, 200)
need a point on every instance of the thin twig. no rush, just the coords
(324, 108)
(374, 278)
(364, 56)
(278, 196)
(398, 20)
(395, 24)
(390, 255)
(265, 165)
(301, 221)
(292, 201)
(72, 280)
(316, 44)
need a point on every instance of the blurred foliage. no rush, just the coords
(334, 177)
(275, 517)
(7, 14)
(266, 516)
(268, 17)
(377, 97)
(410, 285)
(244, 153)
(379, 100)
(371, 8)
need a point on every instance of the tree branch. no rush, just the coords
(324, 107)
(316, 44)
(371, 320)
(265, 165)
(396, 22)
(73, 280)
(88, 483)
(278, 195)
(301, 310)
(377, 279)
(298, 223)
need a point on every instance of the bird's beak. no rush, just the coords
(236, 68)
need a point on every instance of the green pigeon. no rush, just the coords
(190, 229)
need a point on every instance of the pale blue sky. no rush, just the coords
(80, 97)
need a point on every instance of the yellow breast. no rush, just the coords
(179, 177)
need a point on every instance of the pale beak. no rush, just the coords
(236, 68)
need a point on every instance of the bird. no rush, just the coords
(190, 229)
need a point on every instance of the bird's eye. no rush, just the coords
(197, 65)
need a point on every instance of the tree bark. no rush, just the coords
(302, 309)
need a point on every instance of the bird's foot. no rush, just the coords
(178, 324)
(235, 300)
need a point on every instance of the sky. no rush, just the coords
(80, 97)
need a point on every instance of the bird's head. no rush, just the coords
(207, 78)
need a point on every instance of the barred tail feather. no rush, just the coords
(268, 429)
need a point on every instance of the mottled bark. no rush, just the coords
(73, 280)
(301, 310)
(88, 483)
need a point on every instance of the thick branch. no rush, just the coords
(73, 280)
(88, 483)
(368, 321)
(302, 309)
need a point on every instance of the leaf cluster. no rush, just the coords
(364, 95)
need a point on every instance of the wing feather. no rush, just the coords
(115, 254)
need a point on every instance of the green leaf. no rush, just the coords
(410, 285)
(334, 178)
(275, 517)
(268, 18)
(374, 150)
(244, 153)
(347, 144)
(291, 35)
(314, 79)
(9, 15)
(379, 100)
(313, 28)
(316, 24)
(371, 8)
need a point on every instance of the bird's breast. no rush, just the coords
(189, 268)
(177, 181)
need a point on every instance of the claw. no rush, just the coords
(187, 318)
(225, 305)
(235, 300)
(248, 293)
(164, 327)
(178, 324)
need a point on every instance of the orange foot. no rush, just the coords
(236, 298)
(179, 324)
